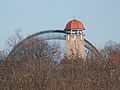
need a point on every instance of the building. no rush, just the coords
(115, 59)
(74, 39)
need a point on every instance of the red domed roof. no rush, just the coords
(74, 24)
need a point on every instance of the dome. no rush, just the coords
(74, 24)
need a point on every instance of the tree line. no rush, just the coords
(33, 67)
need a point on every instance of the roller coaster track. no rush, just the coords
(88, 44)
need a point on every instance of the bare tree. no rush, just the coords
(78, 74)
(14, 40)
(29, 67)
(34, 49)
(3, 55)
(111, 48)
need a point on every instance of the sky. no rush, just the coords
(101, 18)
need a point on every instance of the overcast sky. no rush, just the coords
(101, 18)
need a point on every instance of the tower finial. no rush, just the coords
(74, 17)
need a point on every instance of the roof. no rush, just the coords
(74, 24)
(115, 59)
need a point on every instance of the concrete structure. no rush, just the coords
(74, 39)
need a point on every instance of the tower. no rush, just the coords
(74, 39)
